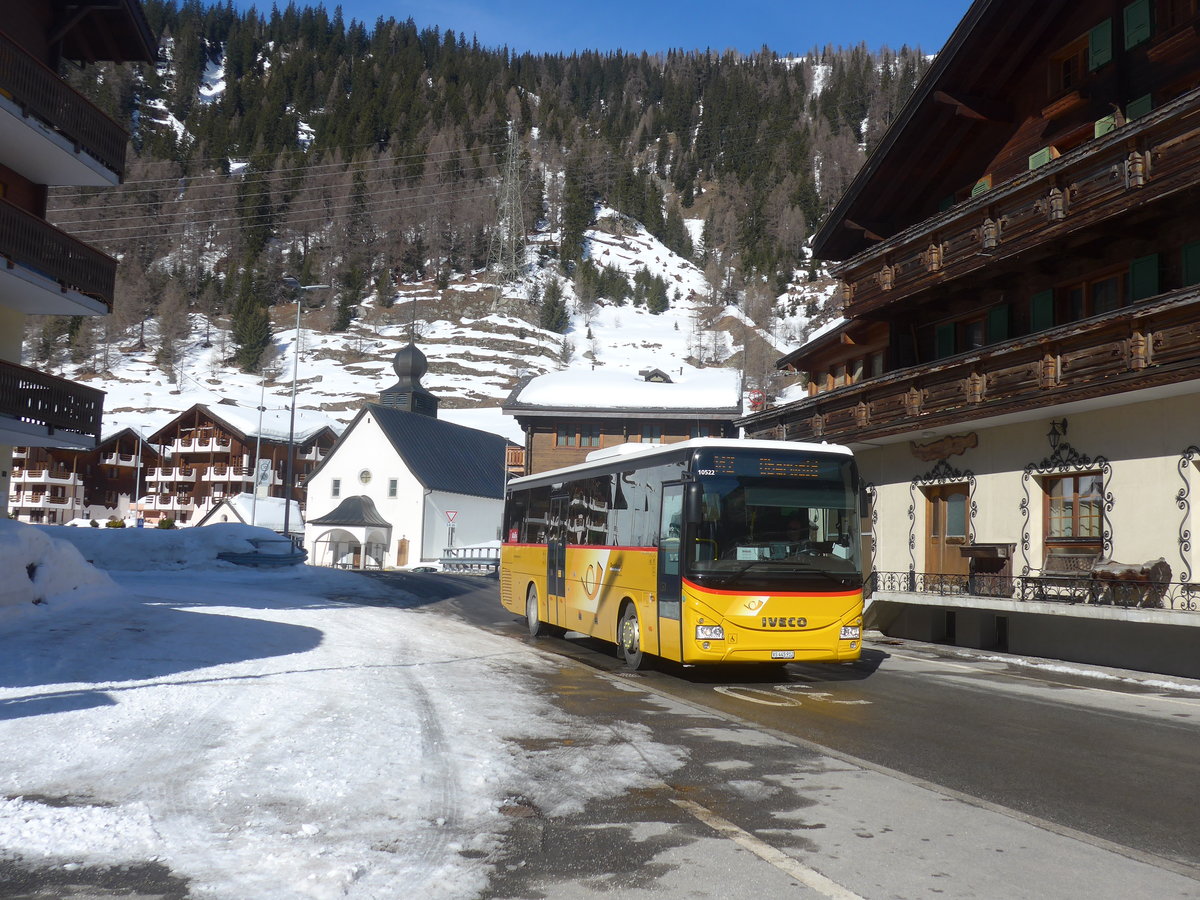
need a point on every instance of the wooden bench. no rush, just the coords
(1066, 575)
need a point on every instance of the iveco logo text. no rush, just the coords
(791, 622)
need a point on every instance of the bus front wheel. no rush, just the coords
(532, 620)
(629, 638)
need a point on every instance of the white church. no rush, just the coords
(401, 486)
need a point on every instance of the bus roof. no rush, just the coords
(645, 454)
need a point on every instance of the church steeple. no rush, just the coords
(408, 393)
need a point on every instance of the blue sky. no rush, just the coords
(786, 26)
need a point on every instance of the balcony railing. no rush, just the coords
(39, 92)
(1087, 589)
(53, 403)
(1147, 344)
(1145, 160)
(35, 244)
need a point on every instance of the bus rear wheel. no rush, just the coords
(629, 639)
(532, 620)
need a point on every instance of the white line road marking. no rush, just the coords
(756, 695)
(765, 851)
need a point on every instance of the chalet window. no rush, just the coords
(974, 334)
(1074, 510)
(589, 435)
(856, 371)
(1068, 66)
(393, 487)
(1137, 23)
(1191, 264)
(702, 430)
(1096, 296)
(876, 364)
(565, 436)
(651, 434)
(839, 375)
(1143, 277)
(335, 488)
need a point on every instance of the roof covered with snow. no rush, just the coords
(599, 391)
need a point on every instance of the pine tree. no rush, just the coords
(251, 323)
(553, 313)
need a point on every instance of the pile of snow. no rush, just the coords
(42, 571)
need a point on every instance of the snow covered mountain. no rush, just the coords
(478, 345)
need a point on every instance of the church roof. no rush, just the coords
(441, 455)
(353, 511)
(444, 456)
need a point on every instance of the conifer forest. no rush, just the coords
(367, 155)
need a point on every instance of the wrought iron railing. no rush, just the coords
(1141, 594)
(51, 402)
(41, 93)
(36, 244)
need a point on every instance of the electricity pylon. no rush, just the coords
(506, 246)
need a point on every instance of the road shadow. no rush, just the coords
(138, 641)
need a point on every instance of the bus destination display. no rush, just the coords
(766, 466)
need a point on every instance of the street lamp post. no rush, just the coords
(294, 285)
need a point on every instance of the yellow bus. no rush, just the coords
(705, 551)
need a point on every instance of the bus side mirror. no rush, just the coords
(864, 504)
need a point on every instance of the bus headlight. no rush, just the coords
(710, 633)
(850, 632)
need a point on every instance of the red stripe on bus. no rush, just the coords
(586, 547)
(706, 590)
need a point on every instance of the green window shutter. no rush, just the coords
(1041, 311)
(1137, 23)
(1143, 277)
(997, 324)
(945, 340)
(1139, 107)
(1040, 158)
(1191, 264)
(1105, 125)
(1100, 45)
(983, 184)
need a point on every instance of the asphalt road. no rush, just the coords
(1109, 756)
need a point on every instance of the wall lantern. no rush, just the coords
(1058, 431)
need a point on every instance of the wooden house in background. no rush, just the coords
(566, 415)
(52, 485)
(1019, 369)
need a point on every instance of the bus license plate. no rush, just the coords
(783, 654)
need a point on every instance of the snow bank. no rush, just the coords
(156, 549)
(43, 572)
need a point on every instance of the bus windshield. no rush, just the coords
(762, 521)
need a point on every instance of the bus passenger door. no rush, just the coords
(670, 595)
(556, 560)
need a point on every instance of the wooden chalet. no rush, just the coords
(567, 415)
(208, 456)
(52, 135)
(53, 485)
(1019, 365)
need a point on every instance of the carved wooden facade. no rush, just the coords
(1035, 239)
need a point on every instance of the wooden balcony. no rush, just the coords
(68, 124)
(43, 406)
(1145, 160)
(48, 269)
(1151, 344)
